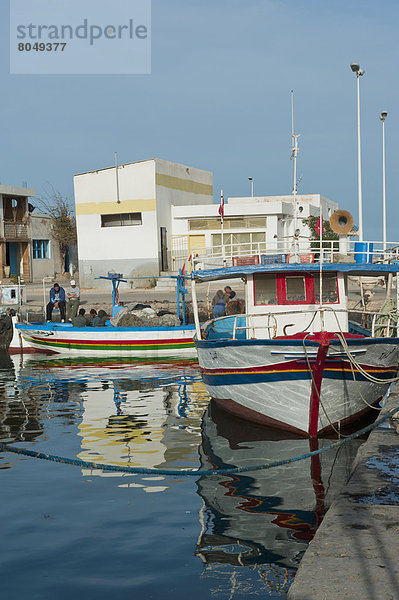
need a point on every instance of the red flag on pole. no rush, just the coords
(221, 206)
(319, 227)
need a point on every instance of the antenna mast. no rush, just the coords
(294, 155)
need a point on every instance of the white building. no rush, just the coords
(251, 226)
(124, 216)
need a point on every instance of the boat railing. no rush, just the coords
(381, 325)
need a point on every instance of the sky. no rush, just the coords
(218, 98)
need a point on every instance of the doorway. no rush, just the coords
(164, 249)
(11, 257)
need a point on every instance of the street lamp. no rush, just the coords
(359, 72)
(383, 116)
(252, 186)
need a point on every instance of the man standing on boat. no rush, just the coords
(73, 295)
(57, 300)
(219, 302)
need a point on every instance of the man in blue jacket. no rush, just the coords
(57, 300)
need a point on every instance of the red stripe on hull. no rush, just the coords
(345, 422)
(103, 342)
(317, 377)
(29, 350)
(251, 415)
(254, 417)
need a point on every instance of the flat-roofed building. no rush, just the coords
(124, 216)
(251, 226)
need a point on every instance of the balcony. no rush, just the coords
(15, 230)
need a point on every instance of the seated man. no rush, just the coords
(57, 300)
(99, 320)
(80, 320)
(89, 318)
(73, 296)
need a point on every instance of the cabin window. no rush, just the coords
(299, 288)
(329, 289)
(295, 289)
(265, 289)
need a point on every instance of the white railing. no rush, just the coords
(269, 321)
(282, 251)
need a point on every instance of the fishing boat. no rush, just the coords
(294, 360)
(161, 342)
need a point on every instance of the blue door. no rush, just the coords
(12, 253)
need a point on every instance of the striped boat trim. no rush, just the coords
(288, 371)
(136, 345)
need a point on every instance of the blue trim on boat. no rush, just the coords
(247, 378)
(61, 327)
(220, 343)
(350, 268)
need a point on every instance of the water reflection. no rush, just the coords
(19, 413)
(265, 517)
(251, 530)
(124, 412)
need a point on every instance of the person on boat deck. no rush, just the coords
(90, 317)
(99, 320)
(219, 302)
(57, 300)
(231, 293)
(73, 295)
(80, 319)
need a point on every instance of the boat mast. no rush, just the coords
(294, 155)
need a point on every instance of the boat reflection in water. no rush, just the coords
(265, 517)
(133, 413)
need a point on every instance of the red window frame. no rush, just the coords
(310, 297)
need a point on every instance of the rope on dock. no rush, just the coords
(190, 472)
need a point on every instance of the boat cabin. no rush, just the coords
(289, 299)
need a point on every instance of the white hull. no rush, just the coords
(272, 384)
(109, 341)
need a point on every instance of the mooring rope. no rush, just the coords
(191, 472)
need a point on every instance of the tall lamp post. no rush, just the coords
(359, 72)
(252, 186)
(383, 116)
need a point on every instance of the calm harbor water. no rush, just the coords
(69, 532)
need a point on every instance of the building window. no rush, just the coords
(41, 249)
(238, 244)
(228, 223)
(121, 220)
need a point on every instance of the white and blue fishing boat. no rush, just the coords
(294, 360)
(158, 341)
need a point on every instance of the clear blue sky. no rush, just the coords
(218, 99)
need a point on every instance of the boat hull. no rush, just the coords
(110, 341)
(270, 381)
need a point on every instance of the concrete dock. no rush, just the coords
(355, 552)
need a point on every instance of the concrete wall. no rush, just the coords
(40, 229)
(179, 185)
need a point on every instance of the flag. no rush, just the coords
(221, 206)
(319, 227)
